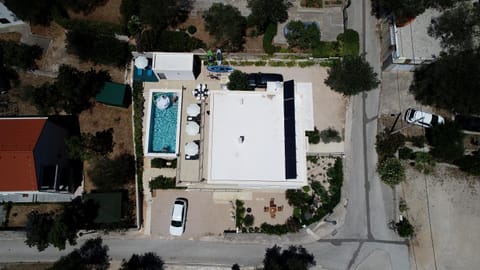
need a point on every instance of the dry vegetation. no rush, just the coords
(19, 212)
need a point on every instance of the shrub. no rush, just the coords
(447, 141)
(424, 162)
(270, 33)
(260, 63)
(162, 182)
(326, 49)
(297, 198)
(405, 153)
(391, 171)
(239, 213)
(163, 163)
(276, 63)
(248, 220)
(274, 229)
(304, 64)
(291, 63)
(417, 141)
(191, 29)
(330, 135)
(110, 174)
(313, 136)
(349, 42)
(238, 81)
(388, 144)
(138, 104)
(404, 228)
(313, 159)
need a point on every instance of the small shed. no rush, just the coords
(110, 206)
(114, 94)
(176, 66)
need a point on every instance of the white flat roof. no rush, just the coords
(247, 140)
(413, 41)
(257, 117)
(172, 61)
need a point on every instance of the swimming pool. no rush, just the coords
(163, 131)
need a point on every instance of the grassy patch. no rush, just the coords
(326, 49)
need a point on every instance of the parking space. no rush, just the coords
(204, 215)
(328, 106)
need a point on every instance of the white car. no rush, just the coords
(424, 119)
(179, 216)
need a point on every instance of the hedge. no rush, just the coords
(349, 42)
(270, 33)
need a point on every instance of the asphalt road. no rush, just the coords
(363, 242)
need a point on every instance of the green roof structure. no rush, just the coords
(114, 94)
(110, 206)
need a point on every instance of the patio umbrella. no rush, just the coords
(193, 110)
(141, 62)
(191, 149)
(192, 128)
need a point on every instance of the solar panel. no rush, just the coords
(289, 128)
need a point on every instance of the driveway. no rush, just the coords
(205, 216)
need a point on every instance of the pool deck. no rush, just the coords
(189, 172)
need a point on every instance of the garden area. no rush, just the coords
(310, 204)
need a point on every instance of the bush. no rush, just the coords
(162, 182)
(248, 220)
(405, 153)
(391, 171)
(239, 213)
(163, 163)
(326, 49)
(111, 174)
(388, 144)
(404, 228)
(424, 162)
(238, 81)
(138, 104)
(277, 229)
(313, 136)
(330, 135)
(270, 33)
(349, 42)
(304, 64)
(191, 29)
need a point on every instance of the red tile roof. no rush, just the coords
(18, 138)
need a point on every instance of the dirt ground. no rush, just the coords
(25, 266)
(252, 44)
(110, 12)
(19, 212)
(445, 209)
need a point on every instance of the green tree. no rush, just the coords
(391, 171)
(72, 92)
(446, 141)
(91, 44)
(86, 145)
(404, 228)
(61, 232)
(469, 163)
(19, 54)
(303, 36)
(238, 81)
(167, 41)
(227, 25)
(84, 6)
(387, 143)
(298, 198)
(349, 42)
(403, 10)
(293, 258)
(109, 174)
(128, 9)
(351, 75)
(35, 12)
(92, 255)
(313, 136)
(457, 28)
(163, 13)
(37, 229)
(450, 83)
(148, 260)
(265, 12)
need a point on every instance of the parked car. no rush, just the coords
(469, 123)
(424, 119)
(179, 217)
(260, 79)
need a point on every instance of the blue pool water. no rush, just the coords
(163, 126)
